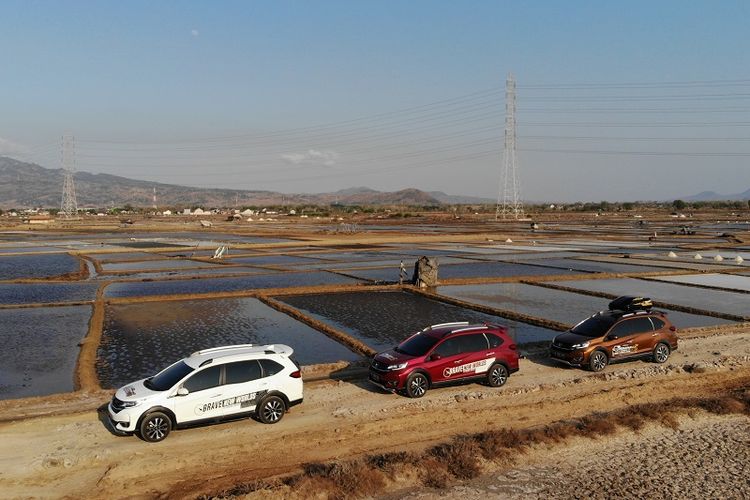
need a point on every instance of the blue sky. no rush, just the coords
(189, 92)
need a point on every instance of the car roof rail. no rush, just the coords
(441, 325)
(471, 328)
(220, 349)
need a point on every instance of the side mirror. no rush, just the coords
(611, 337)
(182, 391)
(435, 356)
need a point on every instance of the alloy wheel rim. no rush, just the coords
(498, 376)
(272, 410)
(598, 361)
(156, 428)
(661, 354)
(418, 386)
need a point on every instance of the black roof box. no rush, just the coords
(631, 303)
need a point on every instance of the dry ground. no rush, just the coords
(65, 454)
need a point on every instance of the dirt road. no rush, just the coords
(73, 455)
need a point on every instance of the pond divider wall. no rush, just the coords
(86, 378)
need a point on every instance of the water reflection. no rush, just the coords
(383, 319)
(140, 339)
(41, 349)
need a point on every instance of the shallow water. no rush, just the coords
(29, 293)
(196, 272)
(37, 266)
(383, 319)
(41, 349)
(146, 265)
(596, 266)
(729, 281)
(555, 305)
(467, 270)
(712, 300)
(140, 339)
(275, 260)
(208, 285)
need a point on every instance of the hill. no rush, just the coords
(24, 185)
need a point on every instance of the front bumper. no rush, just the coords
(388, 381)
(570, 358)
(124, 421)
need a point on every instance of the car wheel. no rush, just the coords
(271, 410)
(497, 376)
(416, 385)
(155, 427)
(598, 361)
(661, 352)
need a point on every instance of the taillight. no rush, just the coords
(296, 374)
(672, 329)
(512, 347)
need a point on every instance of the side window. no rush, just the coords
(204, 379)
(242, 371)
(494, 340)
(450, 347)
(631, 327)
(658, 324)
(270, 367)
(473, 343)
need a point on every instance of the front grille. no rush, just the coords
(562, 347)
(117, 405)
(377, 365)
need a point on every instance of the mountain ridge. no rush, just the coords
(27, 185)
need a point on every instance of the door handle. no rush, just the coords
(489, 354)
(457, 362)
(215, 395)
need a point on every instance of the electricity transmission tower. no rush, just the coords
(69, 206)
(508, 197)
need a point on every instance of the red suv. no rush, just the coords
(446, 353)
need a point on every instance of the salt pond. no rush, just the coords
(556, 305)
(383, 319)
(41, 349)
(37, 266)
(140, 339)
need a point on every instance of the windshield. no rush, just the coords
(167, 378)
(417, 345)
(595, 326)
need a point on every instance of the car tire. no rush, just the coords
(598, 361)
(416, 385)
(497, 375)
(661, 352)
(271, 410)
(155, 427)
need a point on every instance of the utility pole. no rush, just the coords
(508, 196)
(155, 206)
(69, 205)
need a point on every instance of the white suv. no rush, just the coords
(213, 384)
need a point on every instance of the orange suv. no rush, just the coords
(629, 329)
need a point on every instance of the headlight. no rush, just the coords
(130, 404)
(399, 366)
(582, 345)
